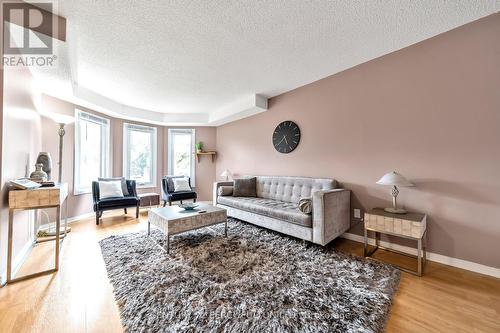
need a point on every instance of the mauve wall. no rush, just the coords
(21, 143)
(430, 111)
(82, 204)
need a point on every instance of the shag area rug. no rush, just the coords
(253, 281)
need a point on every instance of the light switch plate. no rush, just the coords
(357, 213)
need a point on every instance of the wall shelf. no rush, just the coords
(211, 153)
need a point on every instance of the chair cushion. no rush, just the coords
(286, 211)
(121, 179)
(118, 202)
(181, 185)
(110, 189)
(176, 196)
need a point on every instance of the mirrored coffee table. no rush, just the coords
(173, 220)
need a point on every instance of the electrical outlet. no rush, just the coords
(357, 213)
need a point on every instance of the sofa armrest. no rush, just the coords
(215, 192)
(331, 214)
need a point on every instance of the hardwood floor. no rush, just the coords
(79, 298)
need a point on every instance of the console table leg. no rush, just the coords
(58, 235)
(420, 257)
(225, 228)
(9, 246)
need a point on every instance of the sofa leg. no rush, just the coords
(181, 202)
(137, 212)
(170, 203)
(97, 218)
(164, 203)
(194, 200)
(125, 210)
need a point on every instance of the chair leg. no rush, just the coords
(97, 218)
(170, 203)
(194, 200)
(125, 209)
(164, 203)
(137, 212)
(181, 202)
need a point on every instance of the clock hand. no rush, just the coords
(285, 139)
(281, 141)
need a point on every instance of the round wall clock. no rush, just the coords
(286, 137)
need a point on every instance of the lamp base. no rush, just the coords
(395, 210)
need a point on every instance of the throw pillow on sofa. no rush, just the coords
(225, 191)
(246, 187)
(305, 205)
(181, 184)
(110, 189)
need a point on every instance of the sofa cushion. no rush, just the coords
(244, 187)
(291, 189)
(286, 211)
(225, 190)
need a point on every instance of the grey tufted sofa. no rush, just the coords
(276, 207)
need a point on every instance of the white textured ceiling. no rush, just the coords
(183, 61)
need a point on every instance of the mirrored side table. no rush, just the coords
(410, 226)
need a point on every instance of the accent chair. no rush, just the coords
(101, 205)
(169, 195)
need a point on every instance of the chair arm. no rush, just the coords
(132, 188)
(331, 214)
(95, 192)
(215, 192)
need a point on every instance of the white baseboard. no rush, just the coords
(459, 263)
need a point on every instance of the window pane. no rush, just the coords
(140, 163)
(182, 154)
(140, 154)
(91, 150)
(90, 153)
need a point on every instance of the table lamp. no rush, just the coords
(227, 174)
(394, 179)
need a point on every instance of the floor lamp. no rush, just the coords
(62, 120)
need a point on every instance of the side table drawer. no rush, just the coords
(394, 225)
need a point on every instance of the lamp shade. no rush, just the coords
(395, 179)
(61, 118)
(226, 173)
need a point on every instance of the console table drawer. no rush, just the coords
(40, 197)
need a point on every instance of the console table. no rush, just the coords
(410, 225)
(42, 197)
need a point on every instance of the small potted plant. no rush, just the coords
(199, 147)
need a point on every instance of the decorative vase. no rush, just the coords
(45, 159)
(38, 175)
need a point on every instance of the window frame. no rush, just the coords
(105, 149)
(170, 160)
(153, 131)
